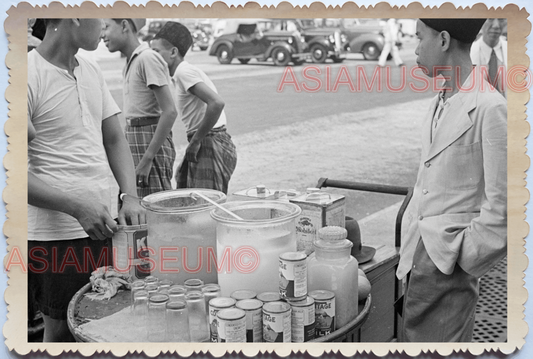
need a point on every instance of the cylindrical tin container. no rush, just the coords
(324, 312)
(231, 326)
(303, 320)
(242, 294)
(293, 275)
(277, 322)
(130, 250)
(216, 305)
(254, 319)
(267, 297)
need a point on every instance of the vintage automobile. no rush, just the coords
(260, 39)
(324, 41)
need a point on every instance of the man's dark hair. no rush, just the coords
(178, 35)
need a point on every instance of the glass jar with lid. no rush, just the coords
(333, 268)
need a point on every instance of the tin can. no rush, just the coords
(324, 312)
(243, 294)
(254, 319)
(216, 305)
(267, 297)
(277, 322)
(130, 251)
(303, 320)
(231, 325)
(293, 275)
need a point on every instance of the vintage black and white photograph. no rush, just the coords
(267, 179)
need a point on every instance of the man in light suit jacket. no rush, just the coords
(490, 50)
(456, 223)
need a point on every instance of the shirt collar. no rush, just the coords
(486, 50)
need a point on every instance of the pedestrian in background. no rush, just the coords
(490, 50)
(456, 222)
(77, 154)
(211, 157)
(390, 33)
(148, 105)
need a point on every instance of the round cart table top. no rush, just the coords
(82, 310)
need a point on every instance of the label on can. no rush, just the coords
(303, 320)
(254, 319)
(324, 312)
(293, 275)
(277, 322)
(216, 305)
(231, 326)
(130, 251)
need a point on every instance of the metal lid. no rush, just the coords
(266, 297)
(243, 294)
(159, 298)
(293, 256)
(231, 314)
(132, 227)
(249, 304)
(276, 307)
(222, 302)
(302, 303)
(332, 233)
(320, 294)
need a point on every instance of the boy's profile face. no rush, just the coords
(428, 50)
(88, 33)
(158, 45)
(112, 35)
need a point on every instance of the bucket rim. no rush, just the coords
(222, 217)
(149, 202)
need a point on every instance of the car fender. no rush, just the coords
(356, 45)
(277, 44)
(322, 41)
(214, 47)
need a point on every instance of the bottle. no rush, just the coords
(177, 318)
(156, 317)
(333, 268)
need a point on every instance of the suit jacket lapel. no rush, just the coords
(426, 127)
(454, 122)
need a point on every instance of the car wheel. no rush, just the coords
(337, 60)
(281, 56)
(244, 61)
(224, 54)
(319, 53)
(371, 51)
(203, 48)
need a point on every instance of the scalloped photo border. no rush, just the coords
(15, 162)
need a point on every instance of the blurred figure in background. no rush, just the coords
(491, 50)
(390, 32)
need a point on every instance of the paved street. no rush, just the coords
(290, 138)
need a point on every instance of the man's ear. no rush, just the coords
(76, 22)
(125, 25)
(445, 39)
(175, 53)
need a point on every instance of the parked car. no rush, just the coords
(246, 39)
(365, 36)
(324, 40)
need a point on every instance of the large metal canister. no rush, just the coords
(181, 234)
(248, 249)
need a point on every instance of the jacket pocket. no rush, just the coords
(464, 167)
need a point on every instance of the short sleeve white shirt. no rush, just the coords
(191, 109)
(68, 152)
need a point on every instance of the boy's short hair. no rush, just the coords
(463, 30)
(137, 24)
(178, 35)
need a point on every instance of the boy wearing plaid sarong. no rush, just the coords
(148, 106)
(211, 157)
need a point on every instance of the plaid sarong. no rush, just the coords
(139, 138)
(217, 159)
